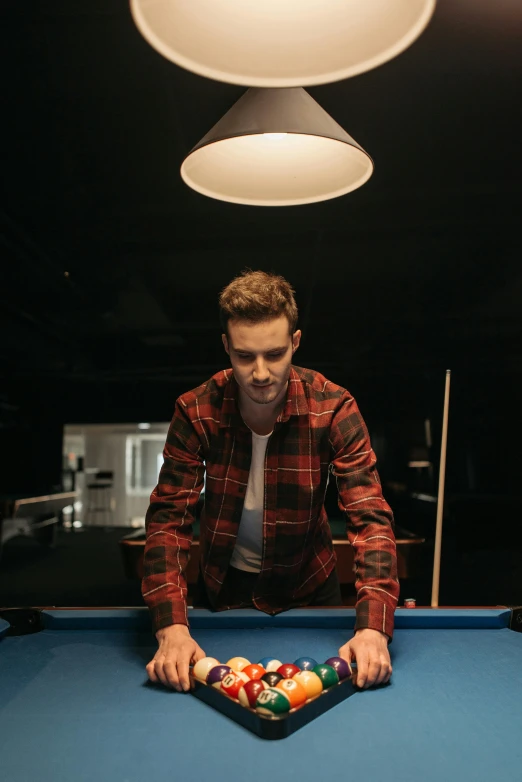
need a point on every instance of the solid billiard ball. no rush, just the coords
(238, 663)
(272, 701)
(232, 683)
(270, 664)
(272, 678)
(294, 691)
(203, 666)
(250, 691)
(327, 674)
(305, 663)
(288, 670)
(311, 682)
(254, 671)
(340, 666)
(216, 675)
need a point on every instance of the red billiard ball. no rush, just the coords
(288, 670)
(232, 683)
(250, 691)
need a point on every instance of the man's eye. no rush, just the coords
(275, 355)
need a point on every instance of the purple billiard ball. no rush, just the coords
(340, 666)
(216, 675)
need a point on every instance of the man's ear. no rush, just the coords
(296, 339)
(225, 343)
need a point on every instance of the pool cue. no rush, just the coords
(440, 497)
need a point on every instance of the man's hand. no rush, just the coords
(369, 648)
(177, 650)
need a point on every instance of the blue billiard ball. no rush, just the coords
(306, 663)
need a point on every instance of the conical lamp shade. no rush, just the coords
(280, 43)
(276, 148)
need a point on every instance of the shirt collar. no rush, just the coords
(295, 404)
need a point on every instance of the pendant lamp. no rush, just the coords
(280, 43)
(276, 148)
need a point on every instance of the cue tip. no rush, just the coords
(448, 371)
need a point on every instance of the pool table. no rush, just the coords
(75, 704)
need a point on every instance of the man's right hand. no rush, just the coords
(177, 650)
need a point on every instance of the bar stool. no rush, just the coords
(99, 506)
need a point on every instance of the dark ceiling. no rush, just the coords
(111, 266)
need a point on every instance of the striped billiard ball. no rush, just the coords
(232, 683)
(216, 675)
(249, 692)
(272, 702)
(270, 664)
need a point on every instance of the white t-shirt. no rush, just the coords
(249, 545)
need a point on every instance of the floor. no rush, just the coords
(84, 568)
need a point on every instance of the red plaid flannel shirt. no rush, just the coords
(319, 432)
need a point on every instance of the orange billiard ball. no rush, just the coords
(254, 671)
(294, 691)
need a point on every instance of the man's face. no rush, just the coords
(261, 355)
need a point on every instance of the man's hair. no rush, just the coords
(257, 297)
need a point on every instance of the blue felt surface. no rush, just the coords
(4, 627)
(75, 707)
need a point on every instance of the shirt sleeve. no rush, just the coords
(169, 523)
(369, 519)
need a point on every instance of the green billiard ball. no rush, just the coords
(327, 674)
(272, 702)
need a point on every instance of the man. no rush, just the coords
(267, 435)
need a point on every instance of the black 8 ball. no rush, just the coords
(272, 678)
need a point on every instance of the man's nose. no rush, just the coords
(261, 373)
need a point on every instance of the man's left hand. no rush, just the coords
(369, 649)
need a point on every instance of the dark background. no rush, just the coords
(111, 266)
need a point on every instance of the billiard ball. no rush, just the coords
(250, 691)
(216, 675)
(327, 674)
(238, 663)
(340, 666)
(272, 678)
(270, 664)
(288, 670)
(254, 671)
(203, 666)
(294, 691)
(232, 683)
(272, 702)
(311, 682)
(305, 663)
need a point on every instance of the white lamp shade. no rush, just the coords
(276, 148)
(280, 43)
